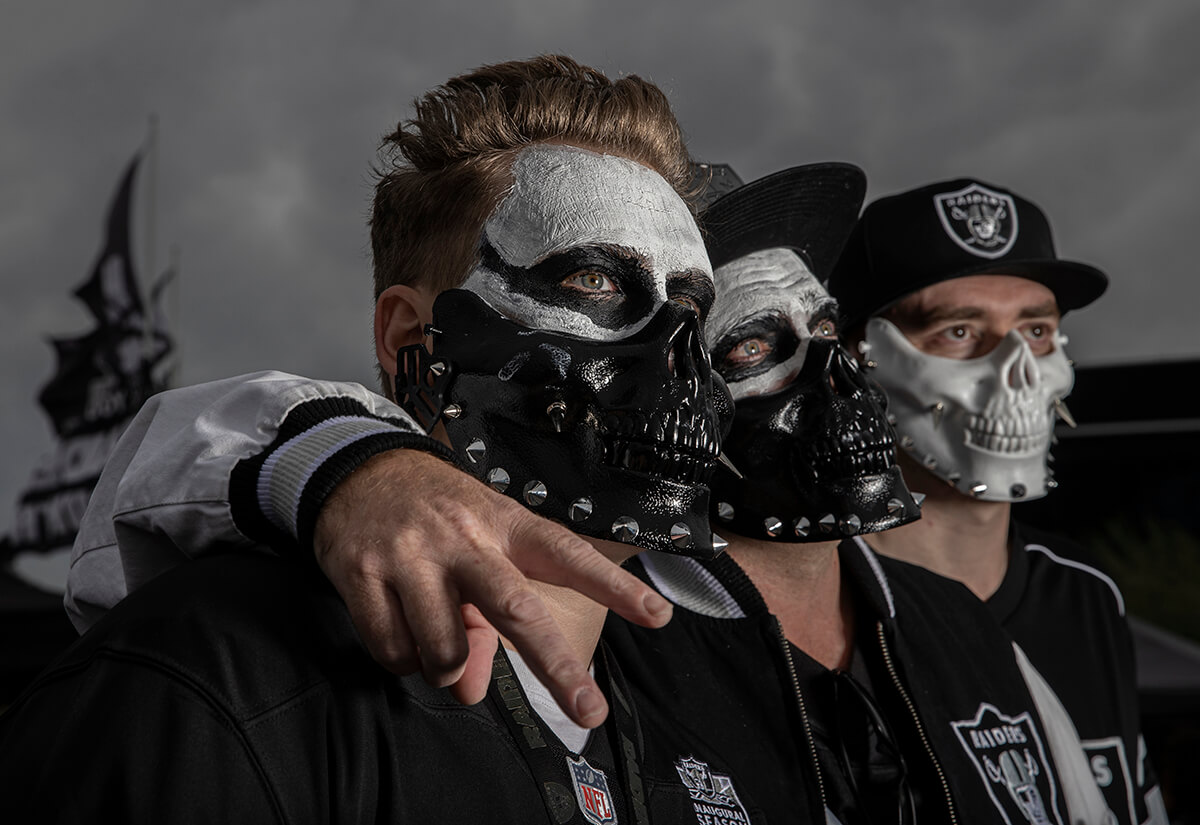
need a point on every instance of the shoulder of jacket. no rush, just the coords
(1058, 556)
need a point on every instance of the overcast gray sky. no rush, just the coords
(270, 113)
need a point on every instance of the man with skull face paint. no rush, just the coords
(583, 303)
(954, 294)
(847, 668)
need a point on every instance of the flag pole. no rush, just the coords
(151, 212)
(174, 317)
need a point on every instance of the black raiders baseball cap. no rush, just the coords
(810, 209)
(906, 242)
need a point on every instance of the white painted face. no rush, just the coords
(771, 306)
(590, 245)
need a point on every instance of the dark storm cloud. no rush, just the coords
(270, 114)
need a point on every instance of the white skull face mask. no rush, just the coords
(769, 295)
(613, 228)
(982, 424)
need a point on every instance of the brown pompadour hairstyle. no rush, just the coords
(444, 171)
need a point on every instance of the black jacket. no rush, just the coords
(235, 690)
(1069, 618)
(723, 667)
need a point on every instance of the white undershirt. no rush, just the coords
(574, 736)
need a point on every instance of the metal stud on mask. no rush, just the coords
(617, 439)
(984, 424)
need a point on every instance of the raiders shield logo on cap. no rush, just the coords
(980, 220)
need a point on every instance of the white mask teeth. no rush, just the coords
(1015, 435)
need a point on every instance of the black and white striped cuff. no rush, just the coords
(277, 495)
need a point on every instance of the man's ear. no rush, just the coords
(401, 314)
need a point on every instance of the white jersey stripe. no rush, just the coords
(1085, 568)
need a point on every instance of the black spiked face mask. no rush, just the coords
(616, 439)
(818, 458)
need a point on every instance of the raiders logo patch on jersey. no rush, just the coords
(1008, 753)
(713, 797)
(980, 220)
(591, 792)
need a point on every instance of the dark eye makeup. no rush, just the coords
(544, 282)
(775, 331)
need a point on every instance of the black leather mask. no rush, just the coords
(818, 458)
(616, 439)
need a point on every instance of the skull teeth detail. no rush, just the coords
(868, 450)
(676, 444)
(1023, 434)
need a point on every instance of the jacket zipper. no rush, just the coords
(808, 734)
(887, 658)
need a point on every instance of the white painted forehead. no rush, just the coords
(564, 197)
(771, 280)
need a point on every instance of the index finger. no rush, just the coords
(505, 596)
(553, 554)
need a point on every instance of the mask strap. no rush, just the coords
(421, 384)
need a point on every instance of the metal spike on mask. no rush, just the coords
(725, 511)
(978, 489)
(930, 461)
(919, 498)
(625, 529)
(498, 479)
(430, 329)
(681, 535)
(827, 523)
(894, 506)
(938, 410)
(772, 525)
(558, 414)
(906, 441)
(1051, 484)
(476, 450)
(438, 368)
(1060, 407)
(453, 411)
(1017, 491)
(802, 526)
(729, 464)
(580, 509)
(719, 544)
(535, 493)
(850, 525)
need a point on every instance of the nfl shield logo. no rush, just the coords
(978, 219)
(591, 792)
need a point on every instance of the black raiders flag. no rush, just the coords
(103, 377)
